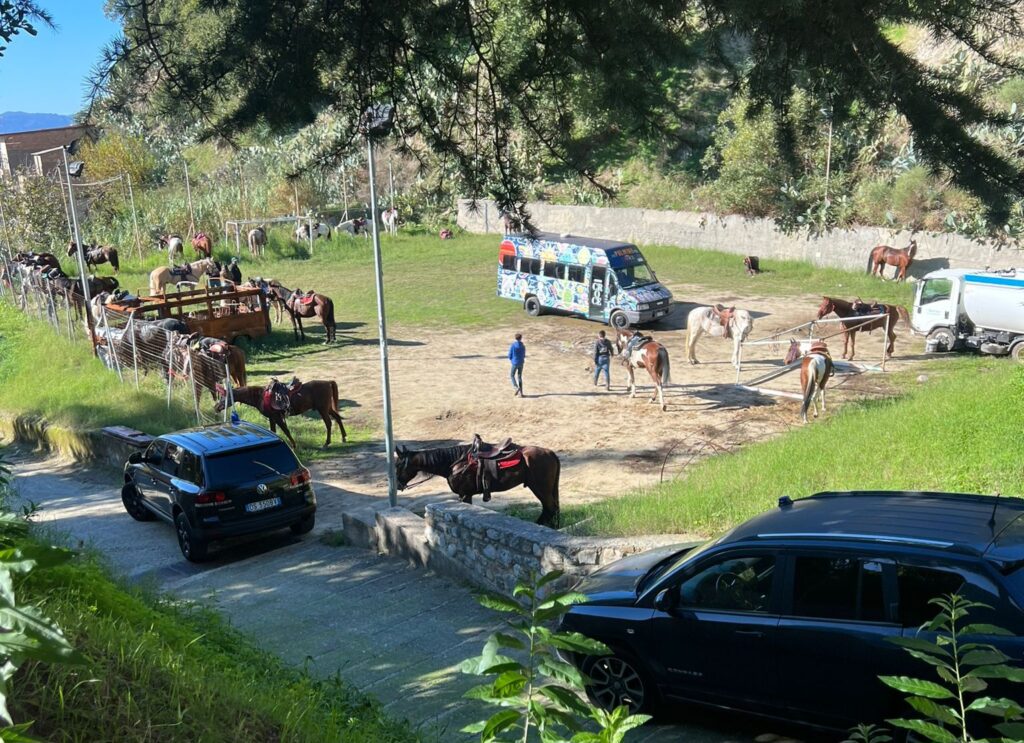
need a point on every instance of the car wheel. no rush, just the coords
(618, 320)
(132, 501)
(305, 526)
(532, 306)
(193, 548)
(617, 680)
(943, 338)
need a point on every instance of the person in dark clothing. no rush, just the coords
(235, 271)
(602, 359)
(516, 357)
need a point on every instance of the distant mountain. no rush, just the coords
(19, 121)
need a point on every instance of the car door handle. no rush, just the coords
(749, 633)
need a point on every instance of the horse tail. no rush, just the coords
(666, 370)
(114, 261)
(329, 314)
(690, 330)
(871, 260)
(240, 356)
(334, 396)
(903, 315)
(809, 385)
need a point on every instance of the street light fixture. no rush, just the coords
(377, 121)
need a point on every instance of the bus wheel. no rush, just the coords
(532, 306)
(618, 320)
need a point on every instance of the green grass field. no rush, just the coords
(962, 430)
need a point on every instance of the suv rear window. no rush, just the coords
(838, 588)
(918, 586)
(241, 465)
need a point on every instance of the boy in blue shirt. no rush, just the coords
(516, 357)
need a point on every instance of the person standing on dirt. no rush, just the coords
(517, 357)
(602, 359)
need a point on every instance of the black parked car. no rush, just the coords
(219, 481)
(789, 614)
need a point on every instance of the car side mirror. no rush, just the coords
(663, 601)
(136, 457)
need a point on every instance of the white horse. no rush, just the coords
(257, 239)
(390, 220)
(174, 245)
(320, 229)
(353, 226)
(720, 323)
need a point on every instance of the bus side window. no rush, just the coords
(530, 266)
(508, 262)
(553, 270)
(577, 274)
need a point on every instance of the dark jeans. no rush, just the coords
(517, 370)
(602, 365)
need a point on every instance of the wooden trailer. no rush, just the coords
(225, 312)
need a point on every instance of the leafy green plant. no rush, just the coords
(964, 668)
(25, 633)
(540, 693)
(868, 734)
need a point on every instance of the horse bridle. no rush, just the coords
(403, 460)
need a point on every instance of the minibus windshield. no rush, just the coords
(637, 275)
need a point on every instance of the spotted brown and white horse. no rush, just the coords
(645, 353)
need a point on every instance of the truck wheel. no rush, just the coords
(532, 306)
(618, 320)
(1017, 352)
(943, 338)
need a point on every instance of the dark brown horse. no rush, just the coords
(540, 471)
(320, 395)
(883, 255)
(299, 305)
(851, 311)
(646, 354)
(94, 255)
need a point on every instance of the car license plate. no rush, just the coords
(262, 505)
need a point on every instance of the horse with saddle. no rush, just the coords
(486, 467)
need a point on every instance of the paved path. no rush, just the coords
(395, 631)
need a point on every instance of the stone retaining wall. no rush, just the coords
(846, 249)
(89, 447)
(494, 551)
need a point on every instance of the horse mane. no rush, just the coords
(444, 456)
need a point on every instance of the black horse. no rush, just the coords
(538, 470)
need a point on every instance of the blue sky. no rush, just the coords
(46, 73)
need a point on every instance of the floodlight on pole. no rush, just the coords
(377, 121)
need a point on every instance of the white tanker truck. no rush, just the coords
(969, 309)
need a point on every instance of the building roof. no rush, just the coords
(971, 524)
(16, 148)
(221, 437)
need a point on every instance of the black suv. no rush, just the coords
(789, 614)
(219, 481)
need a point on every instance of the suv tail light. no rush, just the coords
(300, 476)
(211, 497)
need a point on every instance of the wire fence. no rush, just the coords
(195, 372)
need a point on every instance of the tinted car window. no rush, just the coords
(243, 465)
(169, 463)
(189, 469)
(155, 452)
(838, 588)
(917, 586)
(732, 584)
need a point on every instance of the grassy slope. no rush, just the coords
(963, 430)
(161, 672)
(429, 283)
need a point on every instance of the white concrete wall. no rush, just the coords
(847, 249)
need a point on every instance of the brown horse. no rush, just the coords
(94, 255)
(815, 371)
(208, 358)
(883, 255)
(539, 471)
(203, 245)
(320, 395)
(299, 305)
(645, 354)
(850, 311)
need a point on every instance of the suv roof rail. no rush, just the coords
(889, 538)
(973, 497)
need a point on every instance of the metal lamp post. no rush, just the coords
(80, 253)
(377, 122)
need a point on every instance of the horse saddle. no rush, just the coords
(635, 343)
(276, 397)
(199, 236)
(752, 264)
(307, 298)
(489, 462)
(181, 271)
(94, 255)
(868, 308)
